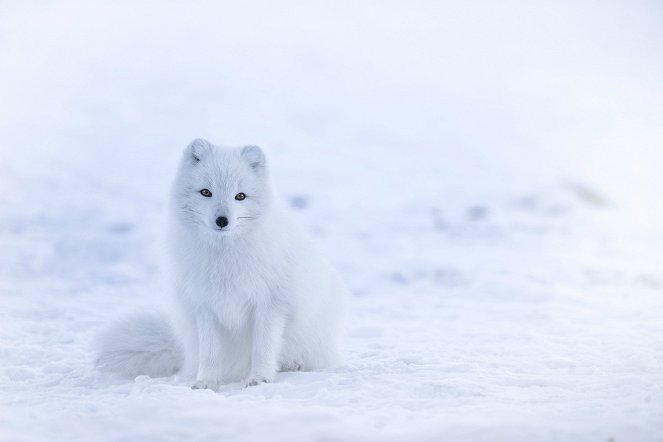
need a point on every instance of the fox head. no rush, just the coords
(221, 191)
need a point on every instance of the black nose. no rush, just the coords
(222, 221)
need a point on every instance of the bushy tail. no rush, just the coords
(139, 345)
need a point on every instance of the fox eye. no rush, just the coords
(240, 196)
(206, 193)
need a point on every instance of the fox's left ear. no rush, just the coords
(254, 156)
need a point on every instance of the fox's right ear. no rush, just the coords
(197, 150)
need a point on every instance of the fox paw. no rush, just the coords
(203, 385)
(255, 380)
(291, 366)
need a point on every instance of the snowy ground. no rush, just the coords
(485, 176)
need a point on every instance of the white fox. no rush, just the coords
(253, 297)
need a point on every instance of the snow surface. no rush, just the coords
(486, 175)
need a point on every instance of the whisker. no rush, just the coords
(245, 217)
(188, 209)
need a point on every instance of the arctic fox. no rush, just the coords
(252, 296)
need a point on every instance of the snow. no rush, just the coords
(486, 177)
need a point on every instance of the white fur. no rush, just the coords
(252, 298)
(140, 344)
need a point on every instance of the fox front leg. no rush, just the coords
(210, 362)
(268, 328)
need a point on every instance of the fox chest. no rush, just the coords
(235, 290)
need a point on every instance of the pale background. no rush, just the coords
(486, 176)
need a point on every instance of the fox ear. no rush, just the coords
(197, 150)
(254, 156)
